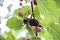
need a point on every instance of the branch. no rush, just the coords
(33, 13)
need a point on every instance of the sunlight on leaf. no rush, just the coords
(51, 14)
(14, 23)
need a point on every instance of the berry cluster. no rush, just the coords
(33, 22)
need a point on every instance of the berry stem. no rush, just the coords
(32, 9)
(33, 14)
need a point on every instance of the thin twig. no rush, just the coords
(32, 10)
(33, 13)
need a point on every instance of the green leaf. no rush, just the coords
(54, 29)
(57, 2)
(2, 38)
(46, 35)
(20, 38)
(9, 36)
(37, 13)
(14, 23)
(51, 13)
(36, 38)
(49, 9)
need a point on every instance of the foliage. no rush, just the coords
(50, 9)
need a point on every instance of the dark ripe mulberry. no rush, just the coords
(33, 22)
(25, 21)
(40, 25)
